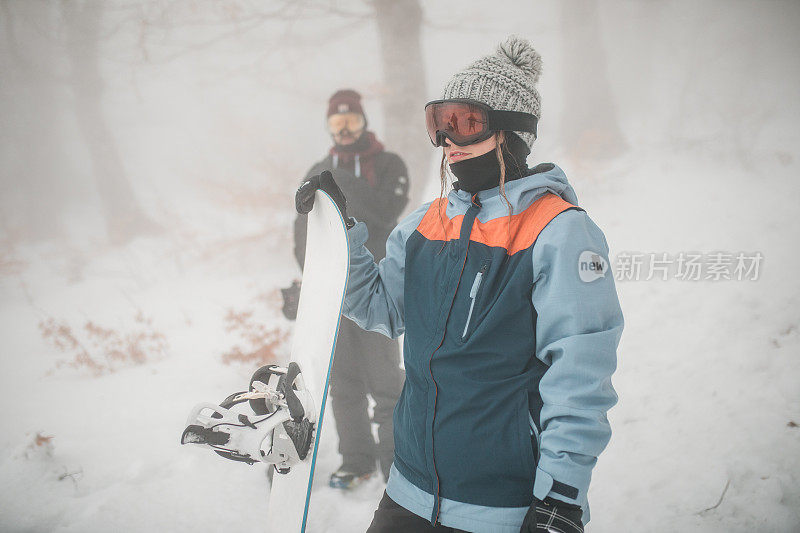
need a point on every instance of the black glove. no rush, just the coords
(552, 515)
(304, 197)
(291, 297)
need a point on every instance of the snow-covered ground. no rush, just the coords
(707, 374)
(706, 434)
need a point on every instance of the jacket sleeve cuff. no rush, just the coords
(545, 485)
(357, 235)
(561, 488)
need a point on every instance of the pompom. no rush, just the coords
(521, 53)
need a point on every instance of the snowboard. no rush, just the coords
(325, 271)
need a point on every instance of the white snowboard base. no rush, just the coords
(321, 298)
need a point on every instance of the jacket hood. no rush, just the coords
(521, 193)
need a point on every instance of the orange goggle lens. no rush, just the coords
(461, 122)
(345, 121)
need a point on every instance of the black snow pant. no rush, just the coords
(365, 363)
(393, 518)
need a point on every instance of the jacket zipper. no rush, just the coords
(473, 293)
(437, 498)
(535, 432)
(437, 503)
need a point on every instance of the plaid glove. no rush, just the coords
(552, 516)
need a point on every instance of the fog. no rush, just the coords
(116, 110)
(149, 154)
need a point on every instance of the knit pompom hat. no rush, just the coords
(504, 80)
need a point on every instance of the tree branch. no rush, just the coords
(720, 498)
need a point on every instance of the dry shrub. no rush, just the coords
(102, 350)
(10, 266)
(273, 299)
(40, 445)
(41, 440)
(261, 343)
(243, 198)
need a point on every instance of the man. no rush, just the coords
(365, 363)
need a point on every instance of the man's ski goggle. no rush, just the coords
(346, 121)
(467, 122)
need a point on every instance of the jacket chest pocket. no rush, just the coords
(475, 290)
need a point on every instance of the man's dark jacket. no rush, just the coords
(378, 205)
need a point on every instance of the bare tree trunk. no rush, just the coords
(31, 187)
(123, 215)
(590, 128)
(399, 27)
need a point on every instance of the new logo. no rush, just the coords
(591, 266)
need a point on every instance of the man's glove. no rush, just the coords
(291, 297)
(304, 197)
(552, 515)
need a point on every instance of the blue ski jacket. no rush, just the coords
(511, 326)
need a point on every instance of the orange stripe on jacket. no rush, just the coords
(515, 235)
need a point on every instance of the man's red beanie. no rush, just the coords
(345, 101)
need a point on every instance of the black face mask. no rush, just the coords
(477, 173)
(483, 172)
(361, 144)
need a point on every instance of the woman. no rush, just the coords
(510, 316)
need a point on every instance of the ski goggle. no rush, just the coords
(346, 121)
(466, 122)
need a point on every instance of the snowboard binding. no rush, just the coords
(280, 430)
